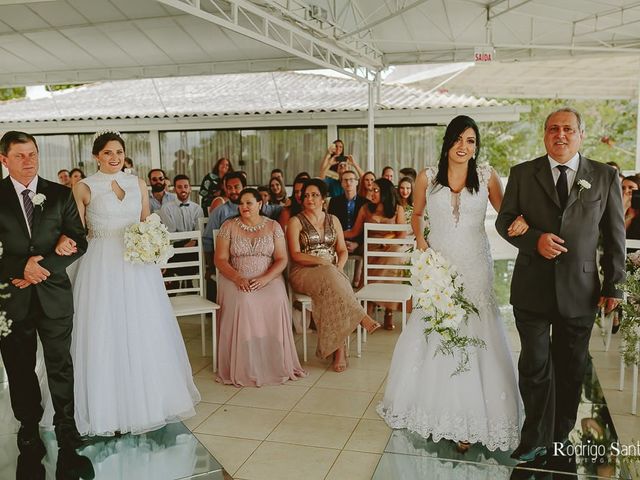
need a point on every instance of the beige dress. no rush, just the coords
(336, 311)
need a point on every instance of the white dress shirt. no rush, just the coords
(573, 165)
(33, 185)
(179, 218)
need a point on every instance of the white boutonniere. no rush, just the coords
(39, 199)
(583, 185)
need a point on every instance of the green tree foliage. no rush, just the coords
(610, 133)
(11, 93)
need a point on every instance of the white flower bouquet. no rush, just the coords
(147, 242)
(5, 323)
(439, 293)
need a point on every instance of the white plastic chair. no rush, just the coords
(192, 300)
(387, 288)
(629, 245)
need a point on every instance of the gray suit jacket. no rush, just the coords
(572, 279)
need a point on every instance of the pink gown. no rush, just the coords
(256, 341)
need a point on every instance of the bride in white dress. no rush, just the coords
(131, 369)
(481, 405)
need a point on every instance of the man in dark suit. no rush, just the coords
(35, 213)
(568, 201)
(346, 206)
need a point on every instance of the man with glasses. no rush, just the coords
(346, 206)
(569, 202)
(159, 195)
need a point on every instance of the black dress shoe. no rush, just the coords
(73, 466)
(615, 328)
(70, 440)
(29, 467)
(29, 441)
(527, 455)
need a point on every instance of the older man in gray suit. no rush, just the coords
(568, 201)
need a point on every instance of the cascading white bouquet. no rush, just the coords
(5, 323)
(147, 242)
(439, 293)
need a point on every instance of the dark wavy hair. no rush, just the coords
(388, 198)
(216, 167)
(319, 184)
(100, 142)
(408, 180)
(451, 135)
(295, 207)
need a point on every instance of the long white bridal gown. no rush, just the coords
(131, 369)
(480, 405)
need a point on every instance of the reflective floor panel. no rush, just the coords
(409, 456)
(170, 453)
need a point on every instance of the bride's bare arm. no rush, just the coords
(82, 196)
(496, 193)
(419, 204)
(144, 194)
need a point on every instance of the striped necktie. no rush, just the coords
(28, 206)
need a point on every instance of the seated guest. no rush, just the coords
(159, 194)
(409, 172)
(366, 185)
(256, 342)
(405, 194)
(64, 178)
(265, 193)
(75, 175)
(278, 192)
(631, 215)
(181, 215)
(295, 203)
(318, 255)
(383, 208)
(234, 183)
(302, 176)
(276, 172)
(127, 166)
(212, 185)
(388, 173)
(219, 200)
(346, 206)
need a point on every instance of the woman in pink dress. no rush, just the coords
(256, 341)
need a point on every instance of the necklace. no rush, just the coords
(251, 228)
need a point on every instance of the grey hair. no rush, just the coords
(567, 110)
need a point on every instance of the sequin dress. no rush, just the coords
(336, 311)
(256, 341)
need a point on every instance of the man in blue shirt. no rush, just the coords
(159, 195)
(234, 183)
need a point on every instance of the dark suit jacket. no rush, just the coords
(58, 215)
(572, 279)
(338, 207)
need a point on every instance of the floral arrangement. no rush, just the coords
(439, 293)
(147, 242)
(630, 325)
(5, 323)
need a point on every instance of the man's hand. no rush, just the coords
(609, 303)
(20, 283)
(33, 272)
(351, 246)
(550, 246)
(66, 246)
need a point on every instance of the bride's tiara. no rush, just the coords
(105, 131)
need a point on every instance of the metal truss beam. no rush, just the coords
(618, 13)
(492, 7)
(391, 15)
(255, 22)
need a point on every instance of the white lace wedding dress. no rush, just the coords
(481, 405)
(131, 369)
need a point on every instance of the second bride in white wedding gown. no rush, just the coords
(131, 369)
(481, 405)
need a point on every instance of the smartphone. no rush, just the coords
(635, 199)
(339, 159)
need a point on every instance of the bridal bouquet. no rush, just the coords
(147, 242)
(5, 323)
(439, 293)
(630, 325)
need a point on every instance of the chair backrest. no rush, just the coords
(215, 239)
(181, 261)
(386, 257)
(632, 244)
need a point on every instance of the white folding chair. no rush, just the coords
(191, 300)
(629, 245)
(390, 287)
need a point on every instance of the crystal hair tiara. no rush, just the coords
(104, 131)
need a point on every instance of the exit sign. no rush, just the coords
(484, 54)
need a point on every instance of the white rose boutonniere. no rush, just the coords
(39, 199)
(584, 185)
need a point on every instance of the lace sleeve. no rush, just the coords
(277, 230)
(484, 173)
(225, 230)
